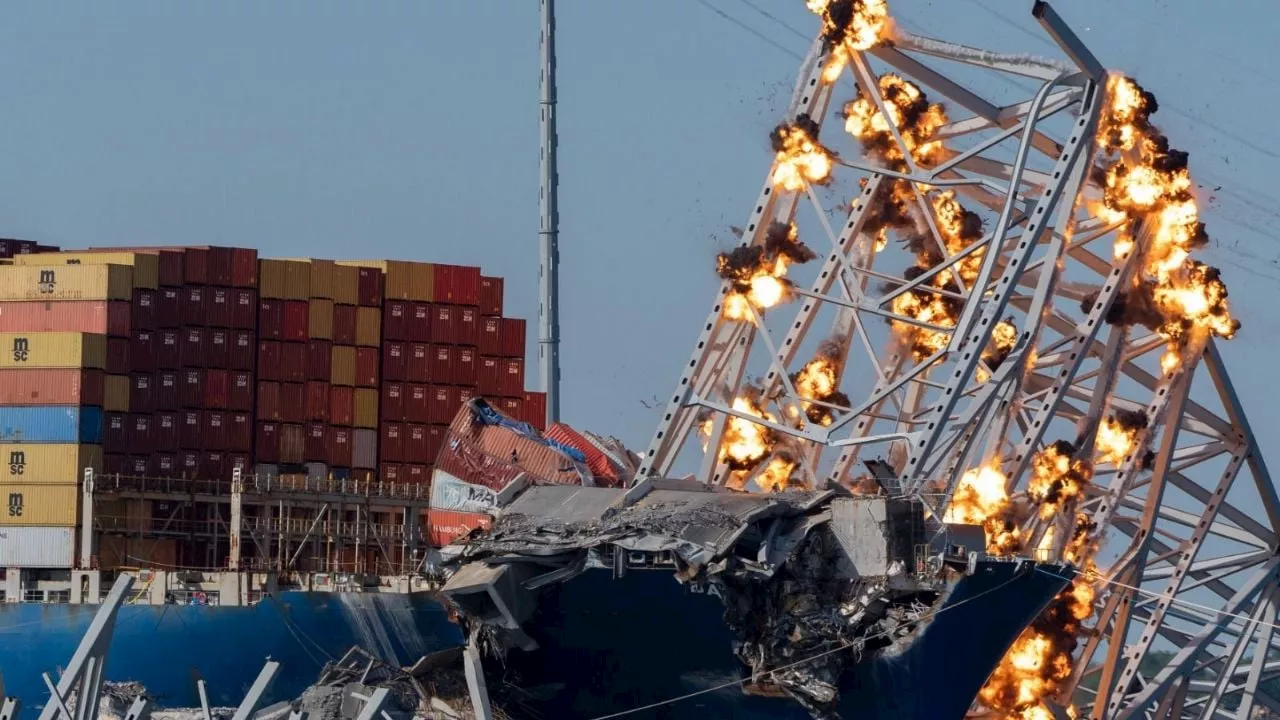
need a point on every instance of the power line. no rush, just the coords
(750, 29)
(774, 18)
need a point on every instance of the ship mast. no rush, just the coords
(549, 229)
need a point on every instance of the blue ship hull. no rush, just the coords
(166, 647)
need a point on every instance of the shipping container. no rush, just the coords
(512, 378)
(391, 445)
(511, 407)
(418, 367)
(457, 285)
(191, 302)
(219, 308)
(141, 393)
(535, 409)
(213, 465)
(267, 444)
(168, 349)
(40, 505)
(221, 260)
(167, 390)
(366, 408)
(191, 430)
(401, 280)
(319, 360)
(414, 443)
(38, 547)
(466, 394)
(102, 317)
(340, 448)
(240, 351)
(317, 439)
(115, 392)
(367, 367)
(489, 373)
(342, 405)
(240, 392)
(270, 318)
(66, 282)
(269, 360)
(217, 389)
(417, 403)
(465, 366)
(11, 247)
(395, 361)
(320, 278)
(417, 474)
(446, 526)
(53, 387)
(165, 464)
(343, 365)
(193, 347)
(169, 307)
(145, 267)
(293, 362)
(53, 350)
(189, 463)
(142, 351)
(51, 424)
(138, 466)
(344, 324)
(115, 437)
(244, 309)
(419, 328)
(395, 320)
(450, 493)
(468, 326)
(117, 355)
(490, 295)
(368, 326)
(296, 316)
(191, 388)
(269, 401)
(143, 311)
(387, 472)
(239, 432)
(244, 267)
(443, 365)
(320, 319)
(602, 468)
(490, 339)
(284, 279)
(444, 324)
(316, 406)
(364, 450)
(391, 402)
(370, 287)
(35, 463)
(293, 402)
(346, 285)
(513, 338)
(442, 404)
(166, 431)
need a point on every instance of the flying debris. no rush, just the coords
(758, 272)
(849, 26)
(801, 159)
(910, 114)
(1058, 477)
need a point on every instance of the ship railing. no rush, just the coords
(149, 525)
(263, 484)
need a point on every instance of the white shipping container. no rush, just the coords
(37, 547)
(450, 493)
(364, 449)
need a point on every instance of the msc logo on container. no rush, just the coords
(21, 349)
(15, 504)
(17, 462)
(48, 281)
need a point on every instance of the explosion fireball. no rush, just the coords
(801, 159)
(758, 272)
(848, 26)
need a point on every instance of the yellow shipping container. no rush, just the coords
(368, 326)
(40, 505)
(320, 280)
(366, 415)
(284, 279)
(403, 280)
(116, 395)
(66, 282)
(146, 266)
(53, 350)
(48, 463)
(342, 365)
(320, 319)
(346, 284)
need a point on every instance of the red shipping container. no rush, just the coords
(269, 401)
(167, 396)
(195, 266)
(512, 378)
(192, 306)
(512, 337)
(143, 311)
(446, 526)
(191, 388)
(468, 326)
(417, 404)
(457, 284)
(317, 442)
(142, 351)
(239, 460)
(165, 464)
(189, 464)
(342, 405)
(141, 393)
(390, 473)
(213, 466)
(395, 361)
(395, 320)
(444, 324)
(415, 444)
(391, 446)
(442, 404)
(218, 303)
(168, 349)
(267, 444)
(244, 309)
(139, 434)
(44, 386)
(221, 260)
(419, 329)
(443, 368)
(192, 348)
(164, 431)
(268, 360)
(241, 350)
(319, 359)
(118, 356)
(115, 433)
(139, 466)
(219, 348)
(240, 432)
(217, 389)
(370, 287)
(99, 317)
(344, 324)
(465, 366)
(466, 395)
(490, 295)
(367, 367)
(489, 376)
(535, 409)
(417, 474)
(293, 362)
(418, 366)
(435, 441)
(391, 402)
(293, 402)
(215, 430)
(244, 267)
(340, 447)
(169, 308)
(170, 266)
(240, 393)
(317, 404)
(512, 408)
(296, 319)
(270, 319)
(490, 340)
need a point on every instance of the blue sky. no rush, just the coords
(409, 130)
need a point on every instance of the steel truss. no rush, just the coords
(1188, 520)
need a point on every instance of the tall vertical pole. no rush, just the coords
(549, 232)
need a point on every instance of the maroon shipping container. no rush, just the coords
(244, 309)
(238, 460)
(395, 361)
(319, 359)
(191, 430)
(317, 439)
(444, 324)
(457, 284)
(489, 375)
(419, 329)
(443, 365)
(268, 360)
(391, 446)
(369, 287)
(164, 431)
(217, 389)
(143, 311)
(221, 260)
(395, 320)
(191, 300)
(367, 367)
(442, 404)
(115, 433)
(340, 447)
(244, 267)
(219, 304)
(168, 349)
(296, 316)
(415, 444)
(512, 338)
(417, 474)
(418, 368)
(465, 395)
(169, 307)
(240, 432)
(435, 441)
(464, 365)
(195, 266)
(192, 348)
(141, 393)
(213, 465)
(270, 319)
(191, 388)
(293, 362)
(391, 403)
(512, 378)
(344, 324)
(417, 404)
(165, 464)
(293, 402)
(490, 340)
(215, 430)
(241, 350)
(490, 295)
(390, 473)
(166, 395)
(142, 351)
(267, 444)
(240, 393)
(268, 401)
(138, 466)
(118, 355)
(139, 434)
(468, 326)
(114, 464)
(317, 403)
(342, 405)
(218, 348)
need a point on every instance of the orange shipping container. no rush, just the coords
(53, 387)
(342, 365)
(284, 279)
(366, 414)
(402, 280)
(368, 326)
(320, 319)
(446, 526)
(101, 317)
(346, 284)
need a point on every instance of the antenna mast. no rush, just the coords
(549, 232)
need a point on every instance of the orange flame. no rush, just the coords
(848, 26)
(801, 159)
